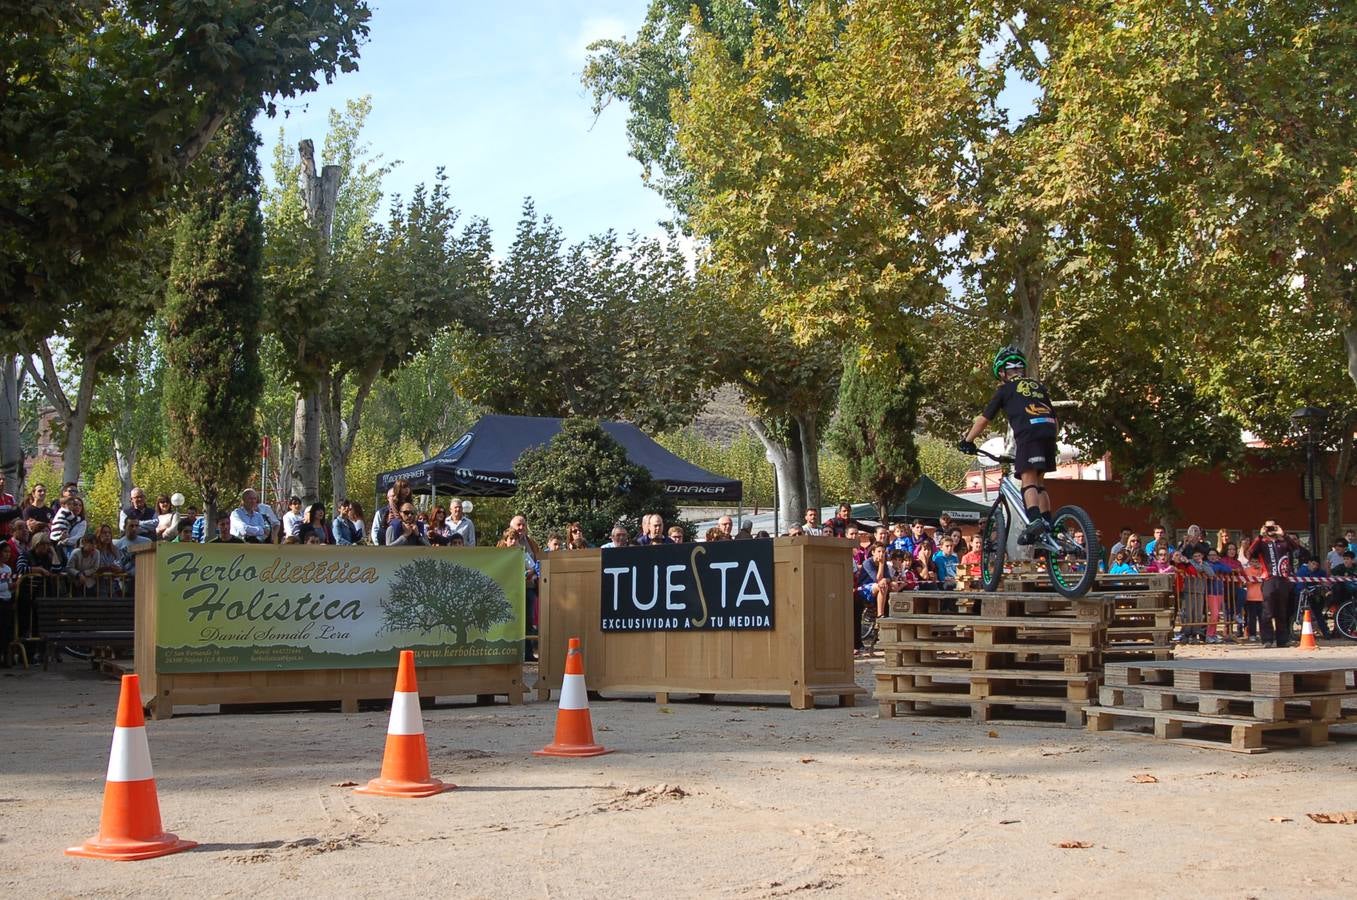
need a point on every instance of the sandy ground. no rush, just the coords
(745, 799)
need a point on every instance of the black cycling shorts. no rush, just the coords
(1036, 454)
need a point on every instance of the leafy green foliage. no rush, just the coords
(212, 320)
(604, 328)
(107, 104)
(429, 594)
(874, 430)
(583, 475)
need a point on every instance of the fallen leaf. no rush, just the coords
(1338, 818)
(1074, 845)
(757, 707)
(1009, 821)
(994, 734)
(344, 784)
(666, 710)
(808, 759)
(1144, 778)
(1280, 819)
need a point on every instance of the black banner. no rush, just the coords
(716, 586)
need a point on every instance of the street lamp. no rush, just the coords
(1309, 420)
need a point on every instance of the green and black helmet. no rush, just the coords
(1008, 357)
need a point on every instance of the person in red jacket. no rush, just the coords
(1273, 548)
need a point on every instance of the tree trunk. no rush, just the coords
(126, 460)
(789, 471)
(210, 523)
(340, 430)
(72, 416)
(808, 424)
(11, 434)
(305, 469)
(1333, 483)
(1028, 289)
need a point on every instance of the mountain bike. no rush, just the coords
(1069, 546)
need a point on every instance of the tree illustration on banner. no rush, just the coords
(433, 593)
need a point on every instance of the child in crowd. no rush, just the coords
(970, 563)
(553, 542)
(945, 563)
(1192, 576)
(1215, 594)
(1121, 563)
(676, 535)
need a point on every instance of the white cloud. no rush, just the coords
(595, 28)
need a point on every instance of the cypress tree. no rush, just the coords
(874, 430)
(212, 315)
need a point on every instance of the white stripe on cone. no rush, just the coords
(573, 694)
(129, 759)
(405, 714)
(1308, 626)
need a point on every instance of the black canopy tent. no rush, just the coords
(928, 500)
(481, 462)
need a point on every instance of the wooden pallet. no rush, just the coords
(1027, 710)
(1327, 707)
(994, 605)
(1263, 678)
(1102, 582)
(1004, 635)
(1220, 732)
(984, 684)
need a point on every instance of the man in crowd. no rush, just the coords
(725, 525)
(620, 538)
(1273, 549)
(248, 521)
(8, 509)
(224, 535)
(842, 521)
(458, 523)
(812, 521)
(125, 545)
(405, 532)
(1158, 541)
(1121, 542)
(652, 530)
(137, 510)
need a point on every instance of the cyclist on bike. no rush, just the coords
(1027, 406)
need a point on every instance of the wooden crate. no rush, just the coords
(1259, 677)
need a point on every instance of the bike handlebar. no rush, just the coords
(1001, 459)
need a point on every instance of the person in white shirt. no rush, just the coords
(812, 525)
(248, 522)
(458, 523)
(293, 518)
(131, 539)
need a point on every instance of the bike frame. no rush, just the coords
(1010, 494)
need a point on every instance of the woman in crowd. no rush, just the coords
(460, 523)
(716, 534)
(166, 518)
(35, 505)
(293, 518)
(82, 568)
(342, 528)
(358, 522)
(437, 530)
(1162, 562)
(44, 558)
(1135, 553)
(574, 537)
(1222, 541)
(314, 524)
(959, 545)
(1235, 591)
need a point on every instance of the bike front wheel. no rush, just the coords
(993, 547)
(1345, 620)
(1072, 551)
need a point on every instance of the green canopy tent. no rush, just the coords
(927, 500)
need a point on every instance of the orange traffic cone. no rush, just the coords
(574, 728)
(130, 825)
(1307, 634)
(405, 766)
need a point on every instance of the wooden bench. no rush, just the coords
(103, 623)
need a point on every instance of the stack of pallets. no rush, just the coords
(1143, 609)
(1026, 656)
(1228, 704)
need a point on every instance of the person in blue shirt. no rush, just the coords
(1121, 563)
(1158, 540)
(945, 563)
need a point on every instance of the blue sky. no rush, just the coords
(492, 93)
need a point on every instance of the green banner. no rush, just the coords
(244, 607)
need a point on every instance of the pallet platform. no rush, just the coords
(1241, 735)
(1228, 704)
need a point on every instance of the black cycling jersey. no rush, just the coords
(1027, 407)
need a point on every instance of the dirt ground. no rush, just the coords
(743, 799)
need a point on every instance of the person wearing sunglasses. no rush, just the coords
(406, 531)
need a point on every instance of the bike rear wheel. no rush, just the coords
(993, 546)
(867, 630)
(1345, 620)
(1073, 565)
